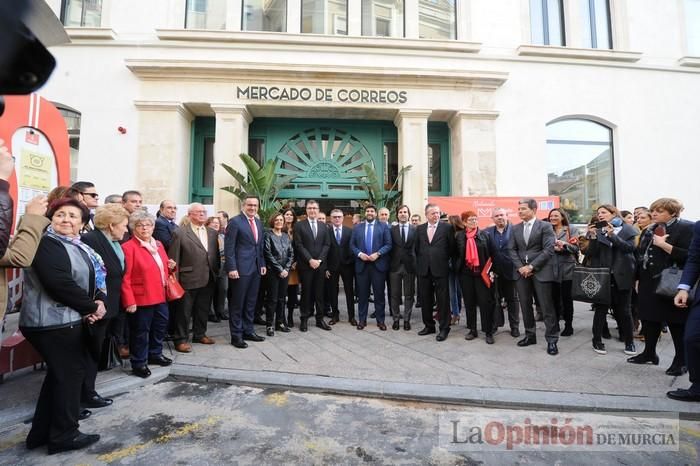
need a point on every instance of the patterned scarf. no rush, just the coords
(471, 256)
(97, 263)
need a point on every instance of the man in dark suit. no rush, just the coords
(165, 223)
(531, 248)
(312, 243)
(691, 340)
(506, 273)
(435, 246)
(341, 264)
(195, 250)
(371, 244)
(245, 265)
(402, 272)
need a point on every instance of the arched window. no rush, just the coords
(580, 166)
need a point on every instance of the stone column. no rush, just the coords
(231, 140)
(411, 19)
(473, 161)
(164, 142)
(354, 19)
(412, 128)
(234, 10)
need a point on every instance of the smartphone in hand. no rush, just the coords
(601, 224)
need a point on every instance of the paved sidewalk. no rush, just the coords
(401, 364)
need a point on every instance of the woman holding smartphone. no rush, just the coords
(664, 243)
(611, 245)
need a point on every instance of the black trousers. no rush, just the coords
(652, 331)
(401, 281)
(476, 293)
(193, 307)
(57, 409)
(292, 301)
(430, 287)
(621, 309)
(219, 295)
(276, 293)
(506, 289)
(347, 274)
(528, 289)
(563, 302)
(95, 340)
(312, 286)
(691, 342)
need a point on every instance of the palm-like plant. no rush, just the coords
(259, 181)
(379, 197)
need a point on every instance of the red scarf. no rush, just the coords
(471, 256)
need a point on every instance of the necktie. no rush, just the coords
(337, 235)
(403, 233)
(202, 233)
(526, 233)
(431, 232)
(253, 228)
(313, 228)
(368, 238)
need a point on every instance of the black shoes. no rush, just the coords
(161, 360)
(78, 442)
(353, 322)
(214, 318)
(373, 315)
(514, 332)
(442, 336)
(552, 349)
(396, 325)
(253, 337)
(683, 395)
(322, 325)
(406, 325)
(489, 339)
(527, 341)
(599, 347)
(96, 401)
(676, 371)
(239, 343)
(606, 334)
(471, 336)
(84, 414)
(144, 372)
(282, 328)
(361, 325)
(567, 332)
(426, 331)
(630, 349)
(643, 358)
(270, 331)
(257, 320)
(303, 325)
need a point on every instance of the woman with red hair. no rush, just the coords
(473, 254)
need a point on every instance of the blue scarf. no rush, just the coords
(97, 263)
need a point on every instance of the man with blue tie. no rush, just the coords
(370, 244)
(165, 223)
(245, 265)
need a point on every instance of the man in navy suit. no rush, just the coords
(165, 223)
(691, 274)
(245, 265)
(370, 244)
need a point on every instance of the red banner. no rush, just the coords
(483, 206)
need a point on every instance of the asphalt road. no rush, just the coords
(189, 422)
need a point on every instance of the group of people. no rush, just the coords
(100, 273)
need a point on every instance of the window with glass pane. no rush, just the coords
(81, 13)
(72, 119)
(692, 28)
(256, 149)
(391, 163)
(208, 171)
(324, 17)
(382, 18)
(434, 168)
(205, 14)
(547, 22)
(597, 30)
(265, 15)
(437, 19)
(580, 166)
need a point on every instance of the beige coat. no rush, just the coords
(21, 250)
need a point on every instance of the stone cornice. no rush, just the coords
(411, 113)
(472, 115)
(318, 40)
(310, 75)
(579, 54)
(164, 106)
(228, 110)
(689, 61)
(90, 33)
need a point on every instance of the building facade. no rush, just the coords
(596, 101)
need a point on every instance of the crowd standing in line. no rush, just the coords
(88, 273)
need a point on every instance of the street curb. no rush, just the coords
(24, 412)
(453, 394)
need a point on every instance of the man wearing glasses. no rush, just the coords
(87, 195)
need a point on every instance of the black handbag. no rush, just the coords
(669, 279)
(591, 285)
(109, 356)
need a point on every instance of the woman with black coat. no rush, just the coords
(564, 261)
(664, 243)
(111, 224)
(473, 252)
(611, 246)
(279, 257)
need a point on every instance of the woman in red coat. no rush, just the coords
(143, 294)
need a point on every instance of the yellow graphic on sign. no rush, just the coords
(35, 171)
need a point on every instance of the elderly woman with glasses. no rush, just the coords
(143, 294)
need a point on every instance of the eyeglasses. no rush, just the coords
(336, 216)
(93, 195)
(143, 225)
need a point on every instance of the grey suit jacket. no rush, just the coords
(195, 265)
(538, 252)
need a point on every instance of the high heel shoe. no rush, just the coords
(644, 359)
(455, 320)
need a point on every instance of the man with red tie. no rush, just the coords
(245, 265)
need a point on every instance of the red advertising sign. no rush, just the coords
(483, 206)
